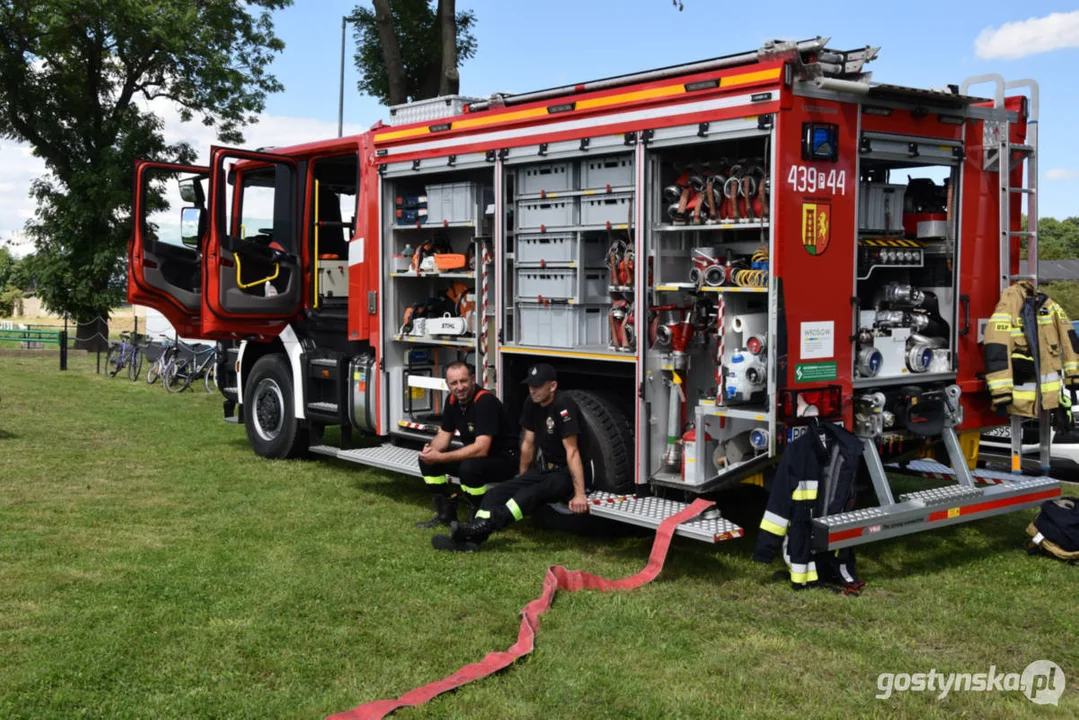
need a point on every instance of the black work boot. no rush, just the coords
(446, 509)
(447, 543)
(475, 532)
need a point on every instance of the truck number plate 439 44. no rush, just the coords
(803, 178)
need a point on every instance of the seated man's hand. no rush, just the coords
(430, 455)
(579, 504)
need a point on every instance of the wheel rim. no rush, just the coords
(269, 415)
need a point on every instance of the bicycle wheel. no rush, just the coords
(177, 376)
(114, 360)
(134, 368)
(211, 378)
(154, 371)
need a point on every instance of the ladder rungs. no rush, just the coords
(1028, 191)
(1022, 233)
(1021, 276)
(1021, 148)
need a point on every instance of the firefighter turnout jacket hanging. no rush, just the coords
(1030, 349)
(815, 478)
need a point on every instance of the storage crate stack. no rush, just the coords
(410, 209)
(564, 212)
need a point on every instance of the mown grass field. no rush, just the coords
(152, 567)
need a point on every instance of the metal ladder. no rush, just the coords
(1002, 155)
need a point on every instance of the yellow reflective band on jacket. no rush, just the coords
(806, 490)
(435, 479)
(474, 490)
(1000, 317)
(515, 509)
(803, 573)
(483, 514)
(1000, 383)
(774, 524)
(1071, 366)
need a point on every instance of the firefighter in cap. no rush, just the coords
(552, 424)
(490, 445)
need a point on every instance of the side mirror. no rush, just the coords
(191, 191)
(190, 224)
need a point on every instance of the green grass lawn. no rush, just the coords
(152, 567)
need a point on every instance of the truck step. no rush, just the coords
(650, 512)
(323, 362)
(323, 407)
(386, 457)
(940, 471)
(929, 509)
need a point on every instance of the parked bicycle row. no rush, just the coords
(177, 363)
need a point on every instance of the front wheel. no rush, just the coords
(211, 378)
(269, 412)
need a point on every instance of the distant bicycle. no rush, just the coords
(156, 369)
(191, 363)
(125, 354)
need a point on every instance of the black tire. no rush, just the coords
(269, 415)
(606, 443)
(112, 360)
(173, 379)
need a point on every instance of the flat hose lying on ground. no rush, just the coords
(558, 578)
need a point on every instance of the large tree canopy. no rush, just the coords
(404, 48)
(74, 75)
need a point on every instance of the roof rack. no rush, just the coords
(825, 62)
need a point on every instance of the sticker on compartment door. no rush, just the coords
(818, 340)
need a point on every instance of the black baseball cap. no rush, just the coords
(539, 374)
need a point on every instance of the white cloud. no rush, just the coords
(21, 168)
(1061, 174)
(1029, 37)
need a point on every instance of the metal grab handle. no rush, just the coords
(994, 78)
(964, 300)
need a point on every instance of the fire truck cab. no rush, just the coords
(715, 257)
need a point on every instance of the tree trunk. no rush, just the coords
(450, 79)
(391, 53)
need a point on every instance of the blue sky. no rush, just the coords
(531, 45)
(525, 45)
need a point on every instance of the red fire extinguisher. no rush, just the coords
(689, 447)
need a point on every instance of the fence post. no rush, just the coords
(63, 350)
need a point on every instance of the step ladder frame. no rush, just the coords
(998, 149)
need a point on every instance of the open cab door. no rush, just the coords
(167, 242)
(252, 275)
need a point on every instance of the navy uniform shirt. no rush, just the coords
(561, 418)
(485, 415)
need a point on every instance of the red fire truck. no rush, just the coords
(715, 256)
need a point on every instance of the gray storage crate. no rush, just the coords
(452, 202)
(556, 248)
(548, 177)
(561, 284)
(616, 171)
(880, 207)
(434, 108)
(562, 326)
(547, 213)
(555, 284)
(608, 208)
(595, 286)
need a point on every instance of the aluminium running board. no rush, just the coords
(931, 509)
(649, 512)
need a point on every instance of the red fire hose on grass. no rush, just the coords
(558, 578)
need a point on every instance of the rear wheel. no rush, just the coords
(134, 367)
(269, 412)
(606, 442)
(113, 360)
(211, 377)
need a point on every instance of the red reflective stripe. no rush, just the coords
(845, 535)
(994, 504)
(558, 578)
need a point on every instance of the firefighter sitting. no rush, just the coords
(490, 445)
(552, 422)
